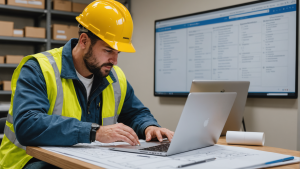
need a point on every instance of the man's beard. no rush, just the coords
(90, 64)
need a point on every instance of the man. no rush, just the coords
(60, 97)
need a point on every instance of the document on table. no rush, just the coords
(227, 157)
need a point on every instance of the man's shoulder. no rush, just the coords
(33, 63)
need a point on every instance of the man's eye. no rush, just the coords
(109, 51)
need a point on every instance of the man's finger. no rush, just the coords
(148, 136)
(172, 133)
(168, 134)
(129, 136)
(125, 139)
(131, 131)
(158, 135)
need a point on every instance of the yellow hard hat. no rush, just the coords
(111, 22)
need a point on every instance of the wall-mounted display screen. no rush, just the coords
(254, 42)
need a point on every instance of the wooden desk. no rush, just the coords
(70, 163)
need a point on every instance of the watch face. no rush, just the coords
(95, 125)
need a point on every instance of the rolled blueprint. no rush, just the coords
(246, 138)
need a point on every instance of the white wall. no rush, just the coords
(276, 117)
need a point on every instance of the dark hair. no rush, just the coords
(92, 36)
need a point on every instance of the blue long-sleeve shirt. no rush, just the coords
(32, 124)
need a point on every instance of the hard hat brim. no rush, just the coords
(122, 47)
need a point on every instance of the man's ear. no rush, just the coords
(84, 41)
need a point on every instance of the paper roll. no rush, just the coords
(246, 138)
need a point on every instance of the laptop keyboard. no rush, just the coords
(159, 148)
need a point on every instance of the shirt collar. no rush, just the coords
(68, 69)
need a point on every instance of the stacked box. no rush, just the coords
(73, 32)
(35, 32)
(78, 7)
(6, 28)
(40, 4)
(36, 4)
(62, 5)
(5, 85)
(64, 32)
(59, 32)
(1, 59)
(22, 3)
(2, 1)
(13, 59)
(18, 33)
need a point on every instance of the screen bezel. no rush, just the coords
(250, 95)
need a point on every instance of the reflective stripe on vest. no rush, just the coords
(57, 107)
(60, 95)
(117, 94)
(11, 135)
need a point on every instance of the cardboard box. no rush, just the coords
(73, 32)
(1, 59)
(13, 59)
(6, 85)
(59, 32)
(22, 3)
(28, 3)
(18, 33)
(78, 7)
(35, 32)
(62, 5)
(64, 32)
(2, 1)
(40, 4)
(6, 28)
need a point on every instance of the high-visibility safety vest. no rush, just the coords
(63, 101)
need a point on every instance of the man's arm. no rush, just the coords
(135, 114)
(32, 124)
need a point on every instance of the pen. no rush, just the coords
(281, 160)
(197, 162)
(272, 162)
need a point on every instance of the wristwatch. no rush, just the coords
(93, 132)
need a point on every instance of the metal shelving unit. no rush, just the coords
(37, 14)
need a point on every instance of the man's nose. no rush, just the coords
(114, 59)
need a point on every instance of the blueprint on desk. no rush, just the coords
(227, 157)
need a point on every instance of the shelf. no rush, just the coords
(33, 40)
(8, 65)
(63, 14)
(58, 42)
(17, 10)
(5, 92)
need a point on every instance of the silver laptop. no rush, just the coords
(200, 125)
(236, 115)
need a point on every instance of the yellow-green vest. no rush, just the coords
(63, 101)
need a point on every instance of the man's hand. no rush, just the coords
(116, 132)
(152, 132)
